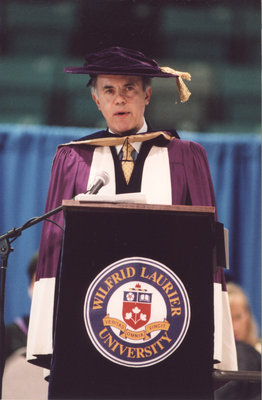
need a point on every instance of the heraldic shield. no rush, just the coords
(137, 307)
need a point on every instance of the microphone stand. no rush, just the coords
(5, 250)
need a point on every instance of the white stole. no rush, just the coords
(156, 181)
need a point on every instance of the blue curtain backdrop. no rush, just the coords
(26, 154)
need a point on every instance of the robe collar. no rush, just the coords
(107, 139)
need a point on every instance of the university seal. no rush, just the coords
(136, 312)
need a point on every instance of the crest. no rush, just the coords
(136, 312)
(137, 307)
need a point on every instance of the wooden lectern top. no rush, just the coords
(135, 206)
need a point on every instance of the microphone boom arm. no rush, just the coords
(6, 249)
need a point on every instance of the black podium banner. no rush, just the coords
(134, 314)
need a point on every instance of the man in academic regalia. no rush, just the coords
(160, 165)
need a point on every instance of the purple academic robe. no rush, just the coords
(189, 171)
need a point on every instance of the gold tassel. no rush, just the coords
(184, 92)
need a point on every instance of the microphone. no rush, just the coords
(101, 179)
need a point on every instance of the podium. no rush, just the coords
(134, 303)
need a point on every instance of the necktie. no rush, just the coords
(127, 160)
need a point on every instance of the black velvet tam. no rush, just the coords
(120, 61)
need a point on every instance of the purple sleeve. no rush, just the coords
(198, 176)
(69, 176)
(190, 172)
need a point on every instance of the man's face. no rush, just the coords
(122, 101)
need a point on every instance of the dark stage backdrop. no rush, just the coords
(26, 154)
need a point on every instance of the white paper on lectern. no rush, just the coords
(116, 198)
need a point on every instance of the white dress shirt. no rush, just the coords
(136, 145)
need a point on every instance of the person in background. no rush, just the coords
(21, 380)
(248, 346)
(244, 324)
